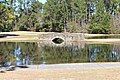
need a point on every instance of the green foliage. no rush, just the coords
(30, 22)
(100, 23)
(73, 27)
(6, 18)
(92, 16)
(31, 18)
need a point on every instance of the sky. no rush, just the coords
(43, 1)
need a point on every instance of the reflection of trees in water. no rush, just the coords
(66, 54)
(115, 54)
(74, 54)
(6, 52)
(31, 53)
(8, 48)
(104, 53)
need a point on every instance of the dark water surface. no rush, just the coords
(21, 53)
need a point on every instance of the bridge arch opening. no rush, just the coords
(57, 40)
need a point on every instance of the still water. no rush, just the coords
(28, 53)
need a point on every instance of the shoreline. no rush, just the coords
(26, 36)
(95, 65)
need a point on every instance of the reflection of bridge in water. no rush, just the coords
(49, 43)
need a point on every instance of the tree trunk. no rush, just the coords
(65, 26)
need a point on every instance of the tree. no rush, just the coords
(101, 21)
(6, 18)
(93, 16)
(53, 16)
(100, 24)
(30, 19)
(116, 17)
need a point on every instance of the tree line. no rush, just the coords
(88, 16)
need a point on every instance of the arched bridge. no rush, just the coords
(65, 36)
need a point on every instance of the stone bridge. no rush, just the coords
(70, 39)
(64, 36)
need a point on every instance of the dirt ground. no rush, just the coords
(67, 74)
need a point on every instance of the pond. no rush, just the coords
(29, 53)
(105, 37)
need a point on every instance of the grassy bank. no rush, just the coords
(22, 36)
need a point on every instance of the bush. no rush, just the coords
(115, 29)
(73, 27)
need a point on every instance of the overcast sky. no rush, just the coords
(43, 1)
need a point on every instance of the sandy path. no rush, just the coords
(67, 74)
(90, 71)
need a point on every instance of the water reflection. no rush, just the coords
(114, 55)
(29, 53)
